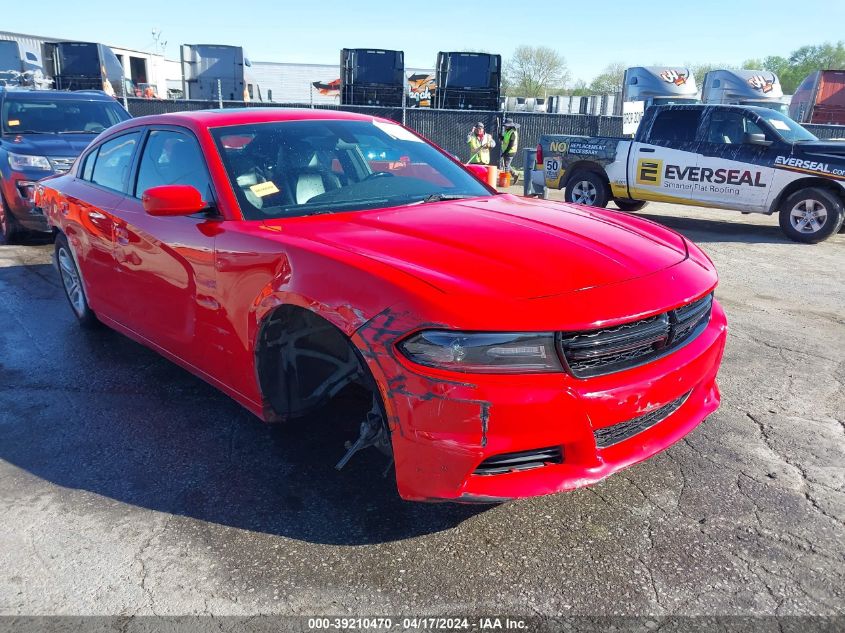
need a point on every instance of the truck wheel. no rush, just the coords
(587, 187)
(72, 283)
(8, 227)
(629, 205)
(811, 215)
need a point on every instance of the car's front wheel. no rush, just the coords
(587, 187)
(811, 215)
(72, 283)
(8, 227)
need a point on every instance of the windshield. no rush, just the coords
(21, 115)
(376, 67)
(777, 106)
(294, 168)
(79, 58)
(469, 71)
(786, 128)
(674, 100)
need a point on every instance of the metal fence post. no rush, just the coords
(123, 90)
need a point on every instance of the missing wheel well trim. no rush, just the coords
(303, 361)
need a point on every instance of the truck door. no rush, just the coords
(734, 173)
(661, 161)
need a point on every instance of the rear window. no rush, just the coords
(675, 126)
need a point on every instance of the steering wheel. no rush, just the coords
(377, 174)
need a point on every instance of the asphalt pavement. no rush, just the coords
(127, 486)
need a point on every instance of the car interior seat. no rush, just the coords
(306, 174)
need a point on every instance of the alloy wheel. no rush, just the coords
(808, 216)
(584, 192)
(71, 281)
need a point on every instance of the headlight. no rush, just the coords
(484, 352)
(25, 161)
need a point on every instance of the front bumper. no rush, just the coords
(443, 428)
(17, 189)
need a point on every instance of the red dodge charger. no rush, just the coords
(504, 347)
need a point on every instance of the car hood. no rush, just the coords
(59, 145)
(830, 148)
(502, 245)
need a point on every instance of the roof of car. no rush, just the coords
(241, 116)
(52, 95)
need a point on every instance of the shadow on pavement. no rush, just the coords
(95, 411)
(715, 230)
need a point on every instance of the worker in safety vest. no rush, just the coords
(510, 142)
(480, 144)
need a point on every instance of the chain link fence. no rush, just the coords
(449, 128)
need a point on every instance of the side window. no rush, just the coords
(88, 166)
(728, 127)
(114, 160)
(172, 158)
(675, 126)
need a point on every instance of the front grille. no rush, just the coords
(522, 460)
(608, 350)
(61, 165)
(611, 435)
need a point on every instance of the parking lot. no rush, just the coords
(127, 486)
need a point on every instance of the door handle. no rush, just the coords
(64, 207)
(649, 150)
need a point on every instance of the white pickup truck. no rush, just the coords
(751, 159)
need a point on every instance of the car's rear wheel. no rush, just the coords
(811, 215)
(8, 227)
(72, 283)
(629, 205)
(587, 187)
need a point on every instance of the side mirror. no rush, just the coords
(755, 139)
(173, 200)
(477, 170)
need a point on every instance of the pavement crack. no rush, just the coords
(807, 492)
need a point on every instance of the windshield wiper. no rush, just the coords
(438, 197)
(79, 132)
(26, 132)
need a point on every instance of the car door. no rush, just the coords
(91, 201)
(659, 167)
(166, 263)
(733, 173)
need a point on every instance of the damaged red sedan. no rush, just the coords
(506, 347)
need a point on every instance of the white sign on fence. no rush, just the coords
(632, 114)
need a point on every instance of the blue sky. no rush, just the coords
(589, 35)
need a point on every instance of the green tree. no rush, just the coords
(801, 62)
(535, 71)
(609, 80)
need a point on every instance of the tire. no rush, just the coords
(9, 230)
(72, 284)
(811, 215)
(588, 188)
(629, 205)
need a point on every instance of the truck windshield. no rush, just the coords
(777, 106)
(81, 59)
(21, 115)
(786, 128)
(10, 61)
(376, 67)
(295, 168)
(469, 71)
(674, 100)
